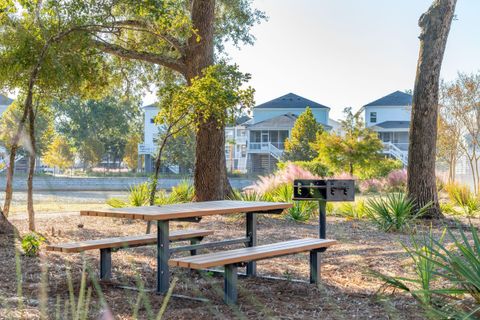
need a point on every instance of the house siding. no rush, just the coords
(387, 113)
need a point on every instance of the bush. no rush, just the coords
(447, 276)
(372, 185)
(314, 167)
(397, 181)
(139, 195)
(395, 212)
(351, 210)
(463, 197)
(300, 212)
(31, 244)
(183, 192)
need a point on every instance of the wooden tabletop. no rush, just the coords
(188, 210)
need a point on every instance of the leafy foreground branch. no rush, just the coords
(447, 282)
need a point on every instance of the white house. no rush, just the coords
(236, 145)
(390, 117)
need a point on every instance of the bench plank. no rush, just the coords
(127, 241)
(223, 258)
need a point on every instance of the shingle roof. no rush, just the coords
(290, 100)
(242, 120)
(5, 101)
(282, 121)
(394, 125)
(397, 98)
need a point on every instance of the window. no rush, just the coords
(244, 151)
(152, 120)
(373, 117)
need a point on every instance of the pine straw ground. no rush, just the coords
(348, 291)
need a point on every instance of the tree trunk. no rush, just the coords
(31, 169)
(435, 26)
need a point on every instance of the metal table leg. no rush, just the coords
(252, 233)
(230, 284)
(163, 254)
(322, 219)
(105, 264)
(315, 266)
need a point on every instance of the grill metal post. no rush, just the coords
(163, 254)
(252, 234)
(322, 219)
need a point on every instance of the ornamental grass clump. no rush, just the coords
(462, 196)
(396, 180)
(394, 212)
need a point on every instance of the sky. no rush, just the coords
(347, 53)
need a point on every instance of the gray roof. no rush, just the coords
(290, 100)
(283, 121)
(242, 120)
(397, 98)
(5, 101)
(394, 125)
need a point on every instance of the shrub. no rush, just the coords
(183, 192)
(448, 208)
(395, 212)
(290, 172)
(31, 244)
(315, 167)
(446, 275)
(284, 193)
(300, 211)
(372, 185)
(139, 195)
(351, 210)
(247, 195)
(463, 197)
(397, 180)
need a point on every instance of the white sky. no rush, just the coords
(349, 52)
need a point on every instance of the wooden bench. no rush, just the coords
(107, 245)
(232, 259)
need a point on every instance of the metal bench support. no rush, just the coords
(105, 264)
(195, 241)
(163, 254)
(315, 266)
(230, 284)
(252, 234)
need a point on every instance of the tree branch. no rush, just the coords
(177, 44)
(122, 52)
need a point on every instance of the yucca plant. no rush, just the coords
(139, 194)
(297, 212)
(394, 212)
(445, 274)
(284, 193)
(249, 195)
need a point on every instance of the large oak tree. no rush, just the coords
(182, 36)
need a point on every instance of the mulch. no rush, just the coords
(348, 289)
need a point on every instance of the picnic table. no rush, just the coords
(193, 212)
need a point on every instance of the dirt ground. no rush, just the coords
(348, 291)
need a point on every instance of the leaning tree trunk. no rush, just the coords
(435, 26)
(210, 177)
(31, 169)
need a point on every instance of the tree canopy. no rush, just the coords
(355, 151)
(305, 131)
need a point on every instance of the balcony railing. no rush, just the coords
(265, 146)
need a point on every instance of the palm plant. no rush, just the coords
(394, 212)
(299, 212)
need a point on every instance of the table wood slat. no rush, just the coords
(188, 210)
